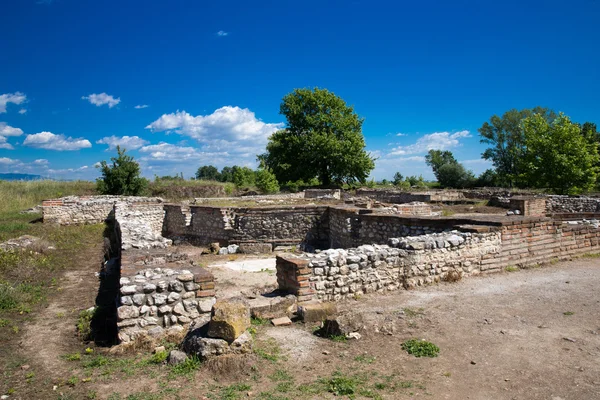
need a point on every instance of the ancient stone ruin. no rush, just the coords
(343, 250)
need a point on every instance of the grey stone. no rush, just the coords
(164, 309)
(179, 309)
(126, 301)
(159, 299)
(139, 299)
(126, 312)
(173, 297)
(205, 306)
(176, 357)
(130, 289)
(161, 286)
(149, 288)
(175, 286)
(156, 331)
(185, 277)
(189, 286)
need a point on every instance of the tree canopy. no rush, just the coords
(506, 138)
(122, 177)
(558, 155)
(322, 139)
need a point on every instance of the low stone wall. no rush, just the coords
(306, 225)
(158, 301)
(73, 210)
(529, 206)
(323, 193)
(140, 225)
(399, 197)
(569, 204)
(413, 261)
(405, 263)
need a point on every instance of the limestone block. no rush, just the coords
(126, 312)
(316, 312)
(229, 320)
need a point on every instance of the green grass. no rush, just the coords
(188, 367)
(341, 385)
(420, 348)
(568, 313)
(20, 195)
(511, 268)
(364, 359)
(231, 392)
(83, 323)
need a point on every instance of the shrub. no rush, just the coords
(420, 348)
(122, 177)
(266, 181)
(84, 323)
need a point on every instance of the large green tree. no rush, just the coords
(122, 177)
(437, 158)
(558, 156)
(323, 139)
(207, 173)
(506, 138)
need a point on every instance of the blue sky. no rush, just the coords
(187, 83)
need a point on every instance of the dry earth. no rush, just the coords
(530, 334)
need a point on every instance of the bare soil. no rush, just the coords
(530, 334)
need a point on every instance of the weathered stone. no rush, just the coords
(139, 299)
(126, 301)
(126, 312)
(281, 321)
(185, 277)
(173, 297)
(182, 319)
(316, 312)
(175, 286)
(130, 289)
(176, 357)
(179, 309)
(149, 288)
(229, 320)
(164, 309)
(161, 286)
(206, 305)
(190, 286)
(159, 299)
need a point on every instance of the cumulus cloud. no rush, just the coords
(222, 33)
(15, 98)
(432, 141)
(6, 130)
(22, 111)
(50, 141)
(41, 161)
(172, 153)
(227, 129)
(127, 142)
(100, 99)
(140, 106)
(8, 161)
(4, 144)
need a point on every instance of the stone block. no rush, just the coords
(281, 321)
(316, 312)
(229, 320)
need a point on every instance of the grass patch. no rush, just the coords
(268, 350)
(364, 359)
(341, 385)
(188, 367)
(339, 338)
(72, 357)
(231, 392)
(412, 313)
(511, 268)
(420, 348)
(568, 313)
(84, 321)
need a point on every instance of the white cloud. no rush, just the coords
(22, 111)
(50, 141)
(8, 161)
(15, 98)
(432, 141)
(6, 130)
(231, 129)
(140, 106)
(401, 134)
(100, 99)
(41, 161)
(222, 33)
(172, 153)
(67, 170)
(4, 144)
(127, 142)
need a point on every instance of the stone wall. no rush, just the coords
(399, 197)
(413, 261)
(405, 263)
(158, 301)
(306, 225)
(140, 225)
(323, 193)
(569, 204)
(529, 206)
(73, 210)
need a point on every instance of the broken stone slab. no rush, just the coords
(281, 321)
(266, 307)
(229, 319)
(196, 343)
(316, 312)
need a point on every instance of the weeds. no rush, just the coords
(189, 366)
(341, 385)
(420, 348)
(83, 323)
(569, 313)
(511, 268)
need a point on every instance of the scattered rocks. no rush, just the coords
(27, 242)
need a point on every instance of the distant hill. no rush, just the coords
(21, 177)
